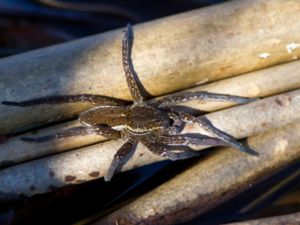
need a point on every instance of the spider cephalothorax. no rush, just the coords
(155, 122)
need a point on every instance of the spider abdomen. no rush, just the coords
(112, 116)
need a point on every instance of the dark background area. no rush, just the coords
(30, 24)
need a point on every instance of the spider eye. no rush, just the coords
(171, 122)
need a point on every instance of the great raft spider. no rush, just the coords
(155, 123)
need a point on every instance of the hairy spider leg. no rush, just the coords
(94, 99)
(121, 157)
(167, 151)
(163, 146)
(105, 131)
(208, 126)
(131, 77)
(200, 95)
(187, 139)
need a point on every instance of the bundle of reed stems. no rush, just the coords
(245, 48)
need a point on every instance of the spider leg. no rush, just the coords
(201, 95)
(120, 158)
(167, 151)
(105, 131)
(94, 99)
(208, 126)
(131, 77)
(187, 139)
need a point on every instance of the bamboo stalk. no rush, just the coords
(253, 84)
(211, 181)
(169, 54)
(91, 162)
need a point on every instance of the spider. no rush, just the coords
(155, 123)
